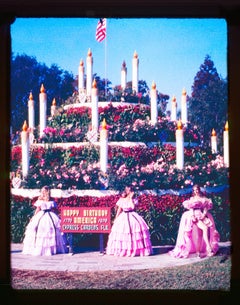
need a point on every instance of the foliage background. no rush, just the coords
(161, 212)
(149, 168)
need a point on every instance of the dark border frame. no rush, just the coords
(229, 10)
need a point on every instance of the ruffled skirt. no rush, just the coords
(189, 235)
(43, 235)
(129, 236)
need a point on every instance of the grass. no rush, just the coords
(211, 274)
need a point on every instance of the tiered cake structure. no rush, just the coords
(88, 150)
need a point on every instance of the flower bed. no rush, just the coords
(143, 167)
(76, 167)
(161, 212)
(125, 123)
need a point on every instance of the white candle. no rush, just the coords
(179, 146)
(104, 147)
(31, 112)
(154, 107)
(123, 76)
(25, 149)
(94, 99)
(174, 109)
(214, 142)
(184, 107)
(81, 77)
(42, 110)
(54, 107)
(226, 145)
(89, 72)
(135, 63)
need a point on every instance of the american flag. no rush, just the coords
(101, 29)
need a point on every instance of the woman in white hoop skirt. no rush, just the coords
(129, 235)
(197, 232)
(42, 234)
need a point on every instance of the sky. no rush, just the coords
(170, 51)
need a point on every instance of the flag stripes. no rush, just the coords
(101, 30)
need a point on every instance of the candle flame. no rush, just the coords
(104, 124)
(81, 63)
(25, 127)
(213, 132)
(135, 55)
(42, 89)
(89, 52)
(30, 96)
(153, 85)
(184, 92)
(226, 126)
(179, 125)
(54, 103)
(94, 84)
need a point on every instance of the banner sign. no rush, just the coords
(86, 220)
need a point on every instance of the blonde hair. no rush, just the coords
(45, 193)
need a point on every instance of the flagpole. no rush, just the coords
(101, 34)
(105, 54)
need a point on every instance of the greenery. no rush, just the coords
(208, 105)
(140, 166)
(125, 123)
(150, 165)
(58, 83)
(161, 212)
(20, 213)
(212, 274)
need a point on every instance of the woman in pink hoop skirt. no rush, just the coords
(43, 235)
(197, 232)
(129, 235)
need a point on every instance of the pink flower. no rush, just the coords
(87, 178)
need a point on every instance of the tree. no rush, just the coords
(27, 75)
(163, 101)
(24, 78)
(207, 106)
(103, 86)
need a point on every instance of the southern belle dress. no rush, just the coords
(129, 235)
(42, 234)
(189, 235)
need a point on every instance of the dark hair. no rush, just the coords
(131, 189)
(196, 186)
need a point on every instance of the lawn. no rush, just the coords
(211, 274)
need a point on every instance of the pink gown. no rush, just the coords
(42, 234)
(189, 235)
(129, 235)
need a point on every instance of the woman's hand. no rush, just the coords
(194, 219)
(131, 195)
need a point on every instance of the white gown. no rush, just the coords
(42, 234)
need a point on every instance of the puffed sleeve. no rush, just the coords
(192, 203)
(38, 203)
(119, 202)
(186, 204)
(199, 203)
(207, 203)
(53, 204)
